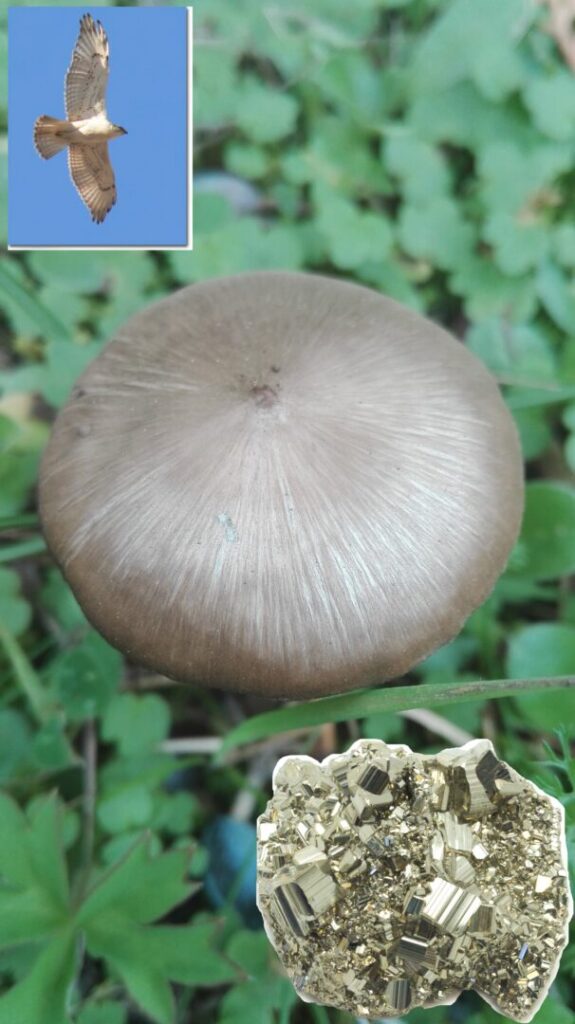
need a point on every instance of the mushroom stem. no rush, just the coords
(370, 702)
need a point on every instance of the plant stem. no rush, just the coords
(369, 702)
(89, 800)
(18, 522)
(26, 677)
(47, 323)
(10, 552)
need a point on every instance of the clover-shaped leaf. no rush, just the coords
(113, 920)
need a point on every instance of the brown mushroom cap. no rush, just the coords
(281, 483)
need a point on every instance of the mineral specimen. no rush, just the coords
(389, 880)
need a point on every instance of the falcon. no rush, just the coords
(86, 131)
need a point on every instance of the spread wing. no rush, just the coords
(92, 174)
(87, 76)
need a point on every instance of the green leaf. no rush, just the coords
(265, 992)
(115, 849)
(27, 917)
(462, 116)
(15, 860)
(569, 451)
(564, 244)
(58, 600)
(17, 962)
(148, 769)
(553, 1012)
(42, 995)
(390, 728)
(473, 41)
(64, 364)
(21, 444)
(515, 353)
(211, 212)
(15, 612)
(145, 983)
(18, 297)
(534, 431)
(251, 951)
(32, 863)
(392, 279)
(544, 649)
(246, 1004)
(124, 807)
(103, 1013)
(136, 724)
(66, 270)
(488, 292)
(243, 244)
(177, 814)
(51, 750)
(45, 842)
(14, 743)
(514, 174)
(449, 662)
(519, 244)
(419, 165)
(248, 161)
(551, 102)
(546, 547)
(530, 398)
(338, 156)
(216, 81)
(141, 887)
(186, 954)
(85, 678)
(352, 236)
(568, 416)
(72, 309)
(436, 232)
(120, 305)
(113, 917)
(147, 958)
(54, 376)
(557, 294)
(264, 113)
(354, 85)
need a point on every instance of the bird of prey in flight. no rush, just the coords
(87, 129)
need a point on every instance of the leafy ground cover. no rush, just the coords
(425, 148)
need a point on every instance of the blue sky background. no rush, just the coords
(147, 95)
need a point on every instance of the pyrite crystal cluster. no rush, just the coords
(389, 880)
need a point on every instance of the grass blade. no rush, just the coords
(369, 702)
(26, 677)
(48, 324)
(23, 549)
(18, 522)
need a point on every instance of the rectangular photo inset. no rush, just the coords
(99, 123)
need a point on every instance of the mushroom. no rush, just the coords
(281, 483)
